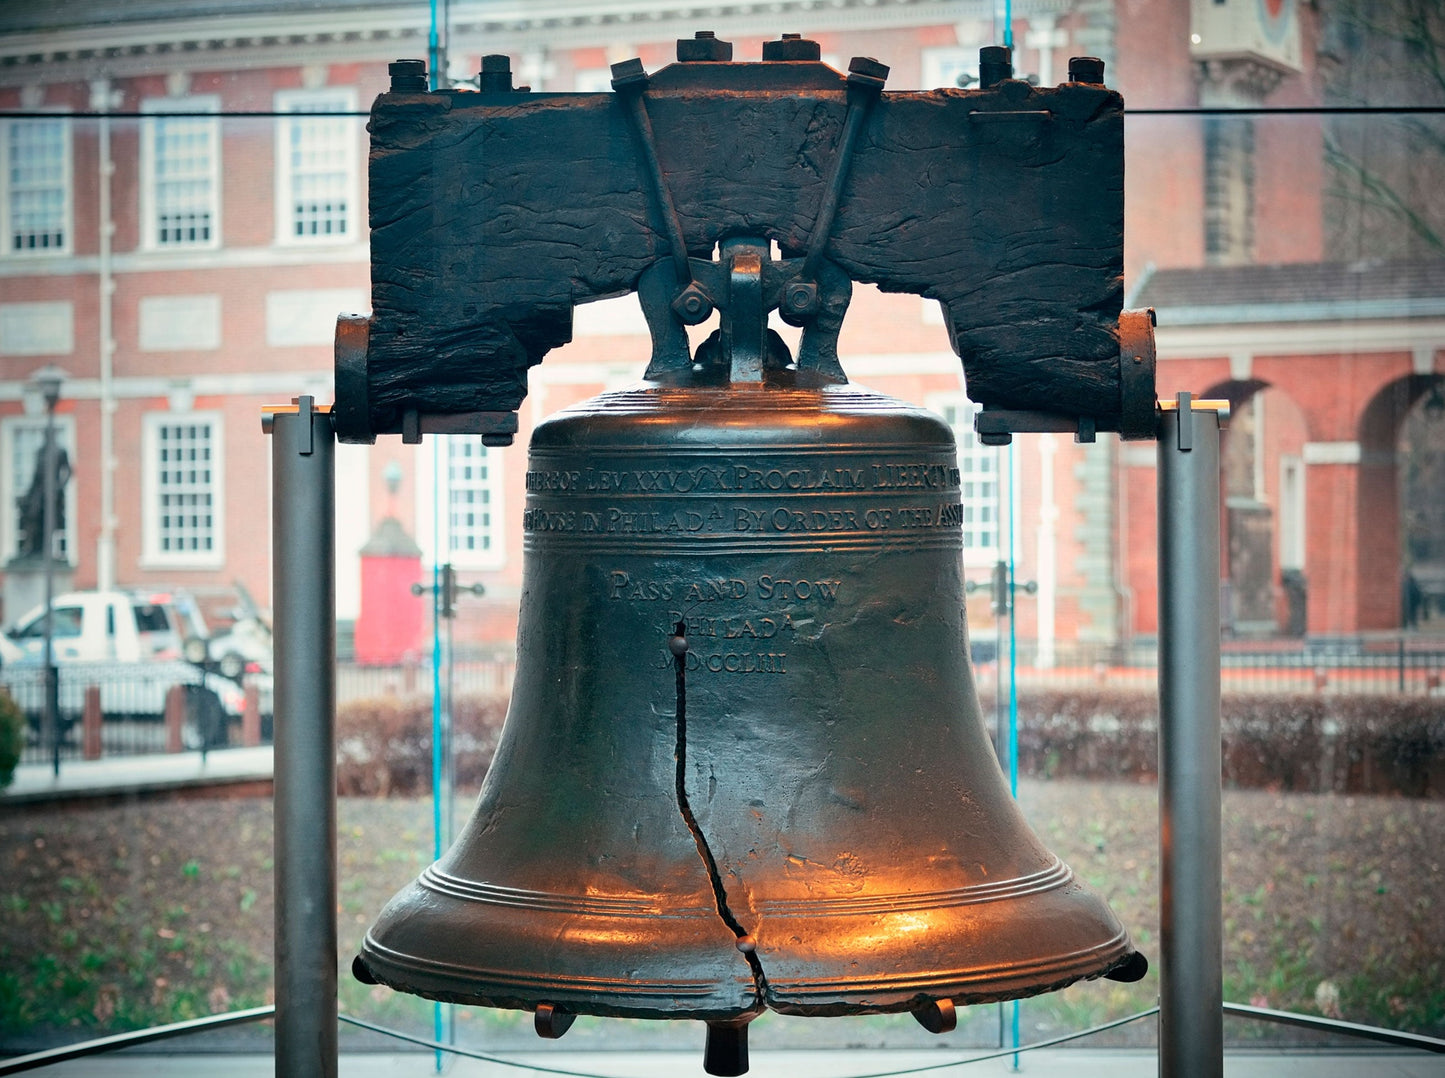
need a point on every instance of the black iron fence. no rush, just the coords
(1372, 667)
(486, 676)
(130, 700)
(128, 709)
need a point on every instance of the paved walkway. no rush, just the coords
(1045, 1063)
(124, 775)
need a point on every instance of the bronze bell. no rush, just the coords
(744, 765)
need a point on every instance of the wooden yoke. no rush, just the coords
(494, 213)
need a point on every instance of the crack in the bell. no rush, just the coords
(719, 892)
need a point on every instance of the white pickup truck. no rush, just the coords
(99, 626)
(130, 644)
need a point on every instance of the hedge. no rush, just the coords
(384, 745)
(1304, 743)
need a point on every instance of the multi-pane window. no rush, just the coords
(316, 160)
(24, 441)
(182, 155)
(37, 185)
(183, 510)
(978, 480)
(471, 489)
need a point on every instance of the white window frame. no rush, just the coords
(435, 507)
(152, 553)
(7, 238)
(941, 66)
(974, 459)
(1291, 512)
(205, 105)
(329, 99)
(16, 476)
(592, 80)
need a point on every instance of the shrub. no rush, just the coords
(12, 737)
(1303, 742)
(384, 745)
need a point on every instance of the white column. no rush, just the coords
(102, 99)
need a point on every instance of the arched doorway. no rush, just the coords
(1262, 494)
(1418, 405)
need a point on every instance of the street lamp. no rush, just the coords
(47, 382)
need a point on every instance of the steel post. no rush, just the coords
(51, 707)
(304, 598)
(1191, 997)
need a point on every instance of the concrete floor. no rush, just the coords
(1046, 1063)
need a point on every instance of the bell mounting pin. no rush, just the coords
(551, 1021)
(938, 1016)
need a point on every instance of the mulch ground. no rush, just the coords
(132, 915)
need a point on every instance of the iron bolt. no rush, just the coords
(629, 75)
(792, 47)
(692, 305)
(496, 74)
(407, 76)
(705, 46)
(802, 297)
(995, 63)
(1088, 69)
(867, 72)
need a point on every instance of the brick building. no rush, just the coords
(183, 204)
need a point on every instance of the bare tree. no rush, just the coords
(1384, 170)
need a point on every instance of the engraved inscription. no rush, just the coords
(744, 479)
(732, 662)
(624, 585)
(751, 626)
(774, 601)
(740, 519)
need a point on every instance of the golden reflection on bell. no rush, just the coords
(744, 765)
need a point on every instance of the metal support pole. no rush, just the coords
(51, 722)
(304, 598)
(1191, 996)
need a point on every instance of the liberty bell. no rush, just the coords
(744, 765)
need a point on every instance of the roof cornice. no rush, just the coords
(362, 32)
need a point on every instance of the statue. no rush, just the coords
(32, 542)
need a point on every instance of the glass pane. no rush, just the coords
(1293, 254)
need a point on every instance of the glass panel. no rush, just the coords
(1294, 260)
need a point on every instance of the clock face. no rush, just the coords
(1275, 17)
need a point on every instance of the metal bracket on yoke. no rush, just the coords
(997, 426)
(496, 428)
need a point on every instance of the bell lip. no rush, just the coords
(783, 1002)
(614, 1004)
(1008, 983)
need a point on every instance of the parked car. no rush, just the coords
(130, 692)
(242, 646)
(129, 644)
(99, 626)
